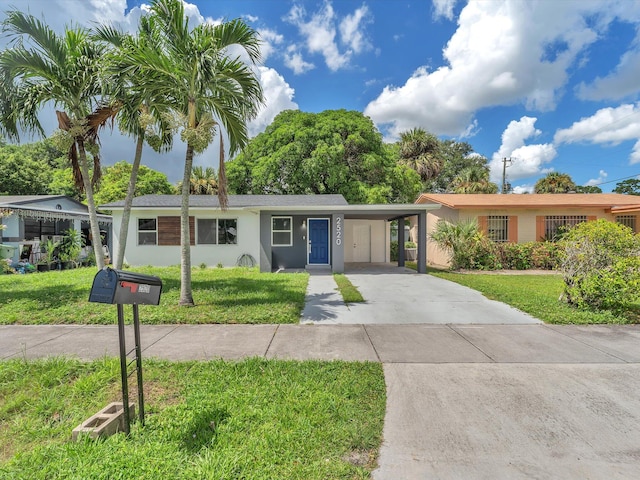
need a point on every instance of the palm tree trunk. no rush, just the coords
(128, 201)
(93, 216)
(186, 295)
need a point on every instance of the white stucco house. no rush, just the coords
(277, 231)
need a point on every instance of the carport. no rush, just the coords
(328, 236)
(361, 219)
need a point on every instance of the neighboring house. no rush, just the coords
(277, 231)
(37, 218)
(529, 217)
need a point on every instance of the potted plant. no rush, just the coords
(410, 251)
(70, 248)
(47, 256)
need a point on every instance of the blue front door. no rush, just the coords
(319, 241)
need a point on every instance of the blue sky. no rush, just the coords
(553, 85)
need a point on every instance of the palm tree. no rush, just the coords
(203, 181)
(139, 115)
(65, 71)
(555, 182)
(474, 180)
(207, 89)
(421, 151)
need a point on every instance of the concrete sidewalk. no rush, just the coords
(463, 401)
(426, 344)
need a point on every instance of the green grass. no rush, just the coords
(349, 292)
(271, 420)
(537, 295)
(238, 295)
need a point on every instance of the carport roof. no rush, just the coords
(298, 204)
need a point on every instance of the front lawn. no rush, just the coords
(255, 419)
(236, 295)
(537, 295)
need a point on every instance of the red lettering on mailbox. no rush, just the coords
(132, 286)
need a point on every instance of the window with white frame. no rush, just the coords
(147, 231)
(227, 231)
(498, 228)
(217, 231)
(627, 221)
(207, 231)
(282, 231)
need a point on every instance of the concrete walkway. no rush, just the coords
(396, 295)
(475, 390)
(389, 344)
(463, 401)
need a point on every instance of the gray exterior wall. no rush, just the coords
(294, 256)
(336, 239)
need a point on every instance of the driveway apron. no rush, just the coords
(400, 296)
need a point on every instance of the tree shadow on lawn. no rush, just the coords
(202, 430)
(49, 296)
(244, 291)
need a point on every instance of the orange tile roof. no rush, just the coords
(615, 201)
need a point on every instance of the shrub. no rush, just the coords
(467, 245)
(600, 266)
(393, 251)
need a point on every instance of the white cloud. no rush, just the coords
(526, 160)
(278, 97)
(622, 82)
(293, 59)
(443, 8)
(602, 176)
(320, 33)
(352, 31)
(269, 40)
(526, 188)
(502, 53)
(250, 18)
(606, 126)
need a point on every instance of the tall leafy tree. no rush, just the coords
(142, 111)
(28, 169)
(116, 181)
(65, 70)
(588, 189)
(555, 182)
(421, 151)
(208, 87)
(631, 186)
(456, 157)
(331, 152)
(474, 180)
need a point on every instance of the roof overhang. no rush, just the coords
(372, 212)
(369, 212)
(52, 214)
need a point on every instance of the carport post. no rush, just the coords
(401, 241)
(422, 242)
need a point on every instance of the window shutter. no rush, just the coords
(591, 218)
(539, 227)
(169, 230)
(483, 224)
(513, 228)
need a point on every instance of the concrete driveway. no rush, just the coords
(397, 295)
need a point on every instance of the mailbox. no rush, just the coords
(120, 287)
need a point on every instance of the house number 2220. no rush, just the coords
(338, 231)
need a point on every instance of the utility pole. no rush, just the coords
(505, 160)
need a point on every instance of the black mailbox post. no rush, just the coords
(127, 288)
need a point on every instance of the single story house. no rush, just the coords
(526, 218)
(277, 231)
(34, 219)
